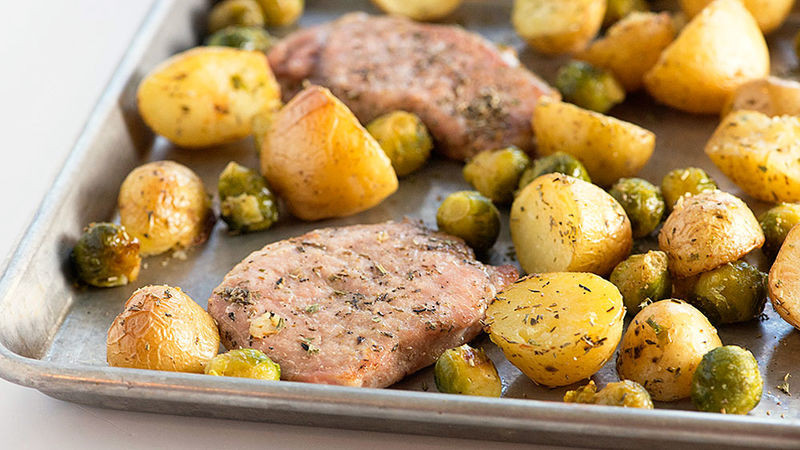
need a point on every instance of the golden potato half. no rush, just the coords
(609, 148)
(663, 346)
(707, 230)
(318, 157)
(563, 224)
(207, 95)
(769, 14)
(772, 96)
(558, 26)
(557, 328)
(721, 48)
(161, 328)
(784, 279)
(419, 9)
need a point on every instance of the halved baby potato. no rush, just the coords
(418, 9)
(558, 26)
(772, 96)
(784, 279)
(769, 14)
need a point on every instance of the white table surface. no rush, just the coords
(57, 57)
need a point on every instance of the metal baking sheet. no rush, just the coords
(52, 333)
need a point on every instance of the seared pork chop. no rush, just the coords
(471, 95)
(363, 305)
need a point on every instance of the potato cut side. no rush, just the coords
(419, 9)
(560, 26)
(784, 279)
(557, 328)
(321, 161)
(769, 14)
(760, 154)
(772, 96)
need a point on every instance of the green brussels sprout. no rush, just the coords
(496, 174)
(404, 139)
(683, 182)
(468, 371)
(244, 363)
(589, 87)
(727, 380)
(641, 278)
(279, 13)
(626, 393)
(244, 13)
(734, 292)
(558, 162)
(617, 9)
(246, 202)
(470, 216)
(245, 38)
(776, 224)
(106, 256)
(642, 203)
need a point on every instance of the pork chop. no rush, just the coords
(470, 94)
(363, 305)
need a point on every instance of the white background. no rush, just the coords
(55, 59)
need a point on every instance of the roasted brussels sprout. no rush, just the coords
(642, 203)
(245, 13)
(641, 278)
(682, 182)
(558, 162)
(727, 381)
(468, 371)
(617, 9)
(244, 363)
(733, 292)
(245, 38)
(496, 174)
(281, 12)
(776, 223)
(589, 87)
(470, 216)
(626, 393)
(106, 256)
(246, 203)
(404, 139)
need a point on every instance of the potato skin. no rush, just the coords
(321, 161)
(663, 346)
(562, 26)
(557, 328)
(772, 96)
(609, 148)
(207, 95)
(759, 154)
(784, 279)
(419, 9)
(719, 49)
(560, 223)
(161, 328)
(769, 14)
(165, 205)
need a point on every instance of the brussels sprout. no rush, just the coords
(727, 380)
(245, 201)
(617, 9)
(404, 139)
(642, 203)
(589, 87)
(245, 13)
(496, 174)
(641, 278)
(626, 393)
(468, 371)
(470, 216)
(776, 224)
(683, 182)
(734, 292)
(281, 12)
(106, 256)
(245, 38)
(244, 363)
(558, 162)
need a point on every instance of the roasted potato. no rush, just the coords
(246, 13)
(776, 224)
(759, 154)
(278, 13)
(106, 256)
(721, 48)
(161, 328)
(470, 216)
(557, 328)
(419, 9)
(618, 9)
(663, 346)
(164, 205)
(321, 161)
(609, 148)
(707, 230)
(727, 381)
(560, 223)
(784, 279)
(769, 14)
(207, 95)
(772, 96)
(467, 371)
(625, 393)
(631, 47)
(558, 26)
